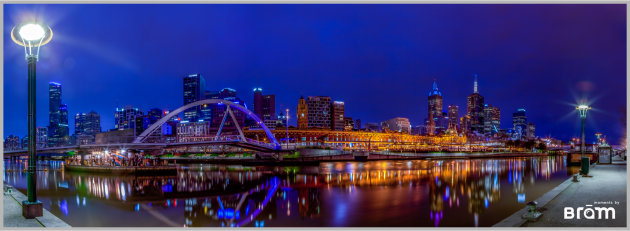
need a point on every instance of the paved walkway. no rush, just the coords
(608, 184)
(13, 218)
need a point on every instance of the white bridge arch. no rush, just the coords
(158, 124)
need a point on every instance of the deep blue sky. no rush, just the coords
(379, 59)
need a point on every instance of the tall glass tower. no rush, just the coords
(194, 90)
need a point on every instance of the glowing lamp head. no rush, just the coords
(31, 34)
(583, 107)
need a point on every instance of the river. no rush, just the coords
(405, 193)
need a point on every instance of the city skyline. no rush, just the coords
(361, 84)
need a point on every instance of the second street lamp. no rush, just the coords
(582, 109)
(31, 35)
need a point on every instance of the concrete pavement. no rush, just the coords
(606, 187)
(13, 218)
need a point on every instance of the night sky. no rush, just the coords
(380, 59)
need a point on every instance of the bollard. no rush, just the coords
(575, 178)
(586, 162)
(532, 212)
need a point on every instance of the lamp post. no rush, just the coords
(582, 109)
(31, 35)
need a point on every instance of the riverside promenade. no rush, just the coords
(13, 218)
(606, 187)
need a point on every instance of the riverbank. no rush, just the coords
(606, 187)
(13, 218)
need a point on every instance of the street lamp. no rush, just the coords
(31, 35)
(582, 109)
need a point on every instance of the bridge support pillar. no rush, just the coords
(279, 155)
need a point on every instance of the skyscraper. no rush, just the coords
(269, 107)
(80, 125)
(194, 90)
(519, 123)
(218, 112)
(474, 109)
(258, 102)
(206, 109)
(42, 137)
(492, 120)
(54, 101)
(453, 116)
(464, 124)
(531, 131)
(64, 130)
(92, 123)
(435, 102)
(125, 118)
(302, 114)
(337, 109)
(319, 115)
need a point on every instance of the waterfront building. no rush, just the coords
(348, 124)
(360, 140)
(319, 112)
(302, 114)
(194, 90)
(474, 109)
(372, 127)
(12, 143)
(492, 120)
(519, 123)
(42, 137)
(193, 132)
(397, 124)
(125, 118)
(338, 121)
(453, 116)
